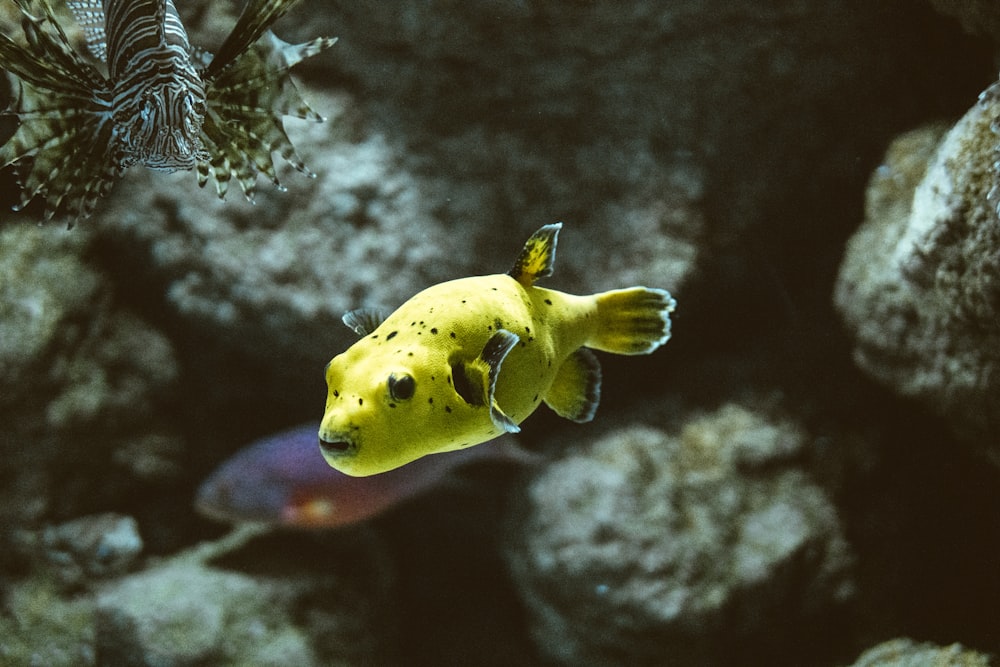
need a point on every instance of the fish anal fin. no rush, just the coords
(538, 257)
(363, 321)
(475, 381)
(576, 390)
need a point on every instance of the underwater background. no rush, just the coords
(806, 474)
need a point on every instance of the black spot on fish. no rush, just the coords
(434, 331)
(336, 394)
(494, 289)
(498, 324)
(535, 399)
(548, 302)
(392, 405)
(463, 300)
(523, 344)
(361, 401)
(447, 409)
(392, 335)
(452, 334)
(430, 399)
(527, 329)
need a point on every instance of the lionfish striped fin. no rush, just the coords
(247, 100)
(62, 149)
(55, 63)
(256, 17)
(90, 15)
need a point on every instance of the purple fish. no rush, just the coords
(283, 480)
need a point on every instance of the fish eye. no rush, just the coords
(401, 387)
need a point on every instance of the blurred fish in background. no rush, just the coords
(283, 480)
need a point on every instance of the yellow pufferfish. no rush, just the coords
(465, 361)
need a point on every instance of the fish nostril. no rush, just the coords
(336, 447)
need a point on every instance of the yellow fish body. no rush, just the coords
(467, 360)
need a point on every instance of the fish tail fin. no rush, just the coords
(634, 320)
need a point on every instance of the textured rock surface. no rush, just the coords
(919, 287)
(271, 280)
(644, 545)
(183, 614)
(41, 627)
(72, 370)
(91, 547)
(908, 653)
(182, 611)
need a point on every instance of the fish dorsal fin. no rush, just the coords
(576, 389)
(256, 17)
(363, 321)
(538, 257)
(476, 381)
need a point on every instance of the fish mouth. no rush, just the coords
(336, 448)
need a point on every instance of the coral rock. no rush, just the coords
(186, 614)
(919, 287)
(907, 653)
(646, 545)
(101, 545)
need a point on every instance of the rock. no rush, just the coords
(919, 286)
(41, 627)
(183, 613)
(270, 281)
(273, 599)
(642, 544)
(96, 546)
(908, 653)
(78, 378)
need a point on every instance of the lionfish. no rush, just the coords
(142, 95)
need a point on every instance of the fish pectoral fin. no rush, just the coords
(576, 389)
(363, 321)
(538, 257)
(502, 421)
(476, 381)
